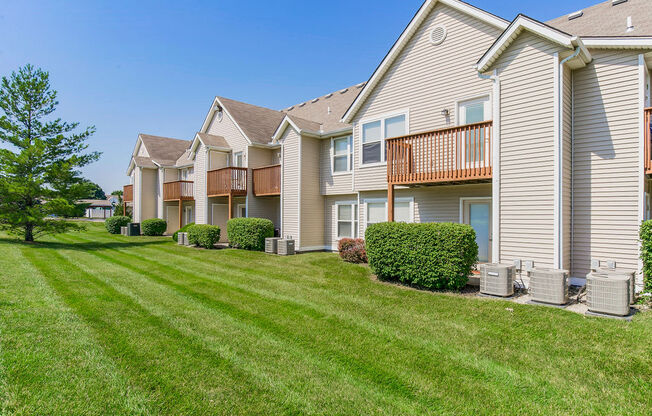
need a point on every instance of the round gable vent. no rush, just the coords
(438, 35)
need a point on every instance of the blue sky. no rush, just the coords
(132, 67)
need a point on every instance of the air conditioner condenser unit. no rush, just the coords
(549, 286)
(497, 279)
(608, 294)
(271, 245)
(631, 276)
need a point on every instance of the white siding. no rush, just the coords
(526, 71)
(606, 168)
(427, 79)
(229, 130)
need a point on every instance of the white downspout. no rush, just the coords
(559, 163)
(495, 177)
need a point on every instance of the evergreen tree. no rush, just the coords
(39, 166)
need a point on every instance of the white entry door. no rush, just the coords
(477, 213)
(219, 217)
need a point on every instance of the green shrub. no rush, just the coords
(113, 224)
(433, 256)
(352, 250)
(249, 233)
(153, 227)
(183, 229)
(202, 235)
(645, 235)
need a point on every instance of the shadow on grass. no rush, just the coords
(82, 245)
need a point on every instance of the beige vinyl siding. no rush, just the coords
(330, 218)
(171, 215)
(229, 130)
(142, 151)
(261, 207)
(312, 202)
(148, 196)
(567, 132)
(290, 185)
(606, 168)
(332, 185)
(217, 160)
(427, 79)
(199, 187)
(527, 190)
(171, 175)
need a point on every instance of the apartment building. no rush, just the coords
(535, 133)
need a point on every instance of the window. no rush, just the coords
(342, 154)
(186, 174)
(238, 159)
(347, 220)
(374, 134)
(377, 210)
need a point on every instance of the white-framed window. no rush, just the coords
(341, 154)
(238, 159)
(241, 210)
(374, 133)
(347, 219)
(376, 210)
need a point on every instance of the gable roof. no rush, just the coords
(164, 151)
(608, 19)
(522, 23)
(256, 123)
(405, 37)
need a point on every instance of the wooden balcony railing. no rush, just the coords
(128, 193)
(456, 154)
(178, 190)
(267, 180)
(227, 181)
(648, 140)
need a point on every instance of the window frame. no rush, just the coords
(382, 118)
(488, 107)
(355, 218)
(349, 154)
(234, 158)
(367, 201)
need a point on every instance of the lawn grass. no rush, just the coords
(93, 323)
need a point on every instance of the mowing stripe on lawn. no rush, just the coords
(472, 364)
(363, 370)
(50, 354)
(325, 366)
(93, 300)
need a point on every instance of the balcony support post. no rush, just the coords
(230, 205)
(180, 213)
(390, 202)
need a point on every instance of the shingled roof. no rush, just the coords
(326, 111)
(257, 123)
(609, 19)
(164, 150)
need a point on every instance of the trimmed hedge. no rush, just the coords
(432, 255)
(352, 250)
(153, 227)
(249, 233)
(113, 224)
(183, 229)
(202, 235)
(645, 234)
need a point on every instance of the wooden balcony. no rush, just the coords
(227, 182)
(128, 193)
(178, 191)
(267, 180)
(457, 154)
(648, 140)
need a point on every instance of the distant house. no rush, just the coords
(98, 208)
(113, 199)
